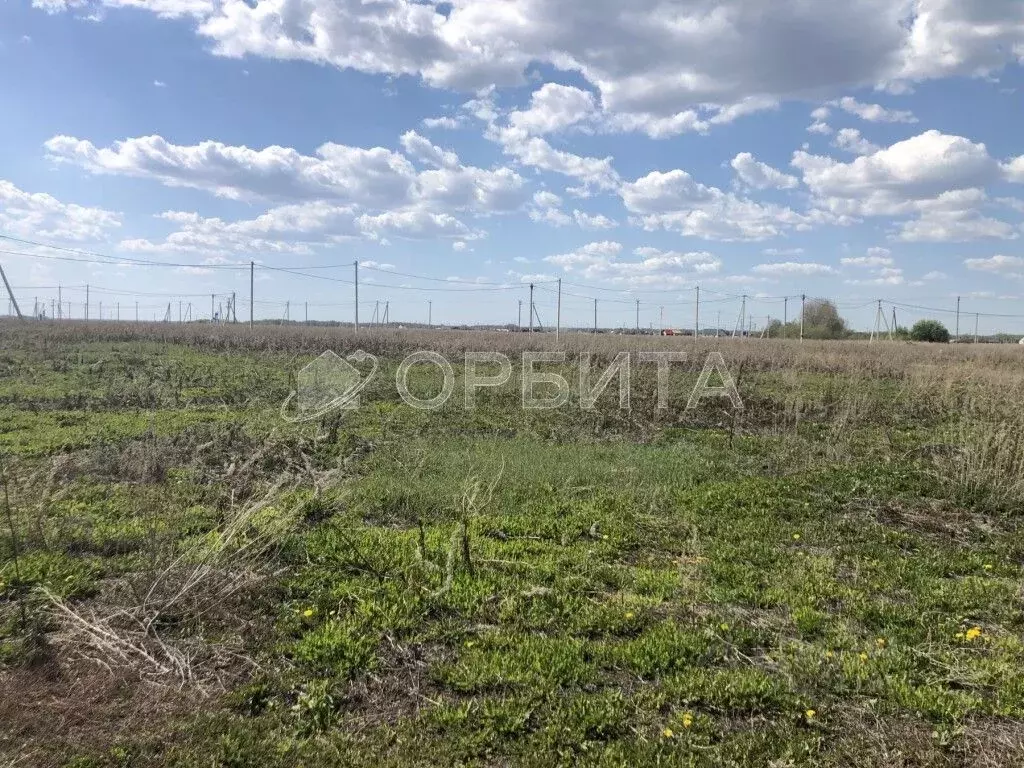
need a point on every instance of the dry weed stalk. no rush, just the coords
(203, 579)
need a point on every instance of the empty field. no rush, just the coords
(830, 577)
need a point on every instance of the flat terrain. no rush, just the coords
(831, 577)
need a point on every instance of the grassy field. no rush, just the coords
(831, 577)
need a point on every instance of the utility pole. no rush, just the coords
(307, 312)
(212, 297)
(531, 307)
(975, 327)
(355, 266)
(387, 312)
(558, 311)
(430, 313)
(252, 282)
(785, 315)
(86, 301)
(179, 311)
(661, 318)
(741, 321)
(696, 316)
(638, 315)
(60, 306)
(234, 308)
(519, 322)
(376, 312)
(118, 311)
(595, 316)
(803, 300)
(877, 326)
(718, 323)
(101, 310)
(958, 318)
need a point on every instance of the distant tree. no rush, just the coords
(930, 330)
(822, 320)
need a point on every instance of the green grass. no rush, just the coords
(489, 588)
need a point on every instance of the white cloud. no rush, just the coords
(415, 224)
(448, 123)
(654, 58)
(759, 175)
(459, 245)
(159, 84)
(819, 127)
(1011, 266)
(850, 140)
(876, 257)
(38, 215)
(420, 149)
(874, 113)
(546, 208)
(674, 200)
(793, 268)
(821, 114)
(554, 107)
(783, 251)
(600, 261)
(935, 275)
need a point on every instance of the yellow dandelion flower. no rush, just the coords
(863, 656)
(988, 566)
(810, 714)
(308, 612)
(973, 633)
(724, 627)
(469, 643)
(796, 537)
(959, 636)
(668, 733)
(630, 614)
(829, 654)
(605, 537)
(687, 720)
(881, 642)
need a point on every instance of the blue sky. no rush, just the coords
(870, 150)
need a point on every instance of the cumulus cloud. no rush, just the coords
(39, 215)
(850, 140)
(546, 208)
(600, 261)
(1003, 265)
(874, 113)
(652, 59)
(675, 201)
(935, 176)
(875, 257)
(777, 269)
(759, 175)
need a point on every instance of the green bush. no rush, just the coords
(929, 330)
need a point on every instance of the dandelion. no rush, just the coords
(973, 634)
(687, 720)
(810, 714)
(863, 656)
(630, 614)
(796, 537)
(724, 627)
(308, 613)
(469, 643)
(987, 566)
(829, 654)
(605, 537)
(881, 642)
(668, 733)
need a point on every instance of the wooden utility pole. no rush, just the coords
(355, 266)
(86, 301)
(803, 301)
(975, 327)
(430, 313)
(696, 315)
(252, 282)
(531, 307)
(638, 315)
(558, 311)
(595, 315)
(958, 318)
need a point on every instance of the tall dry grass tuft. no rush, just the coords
(982, 466)
(156, 623)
